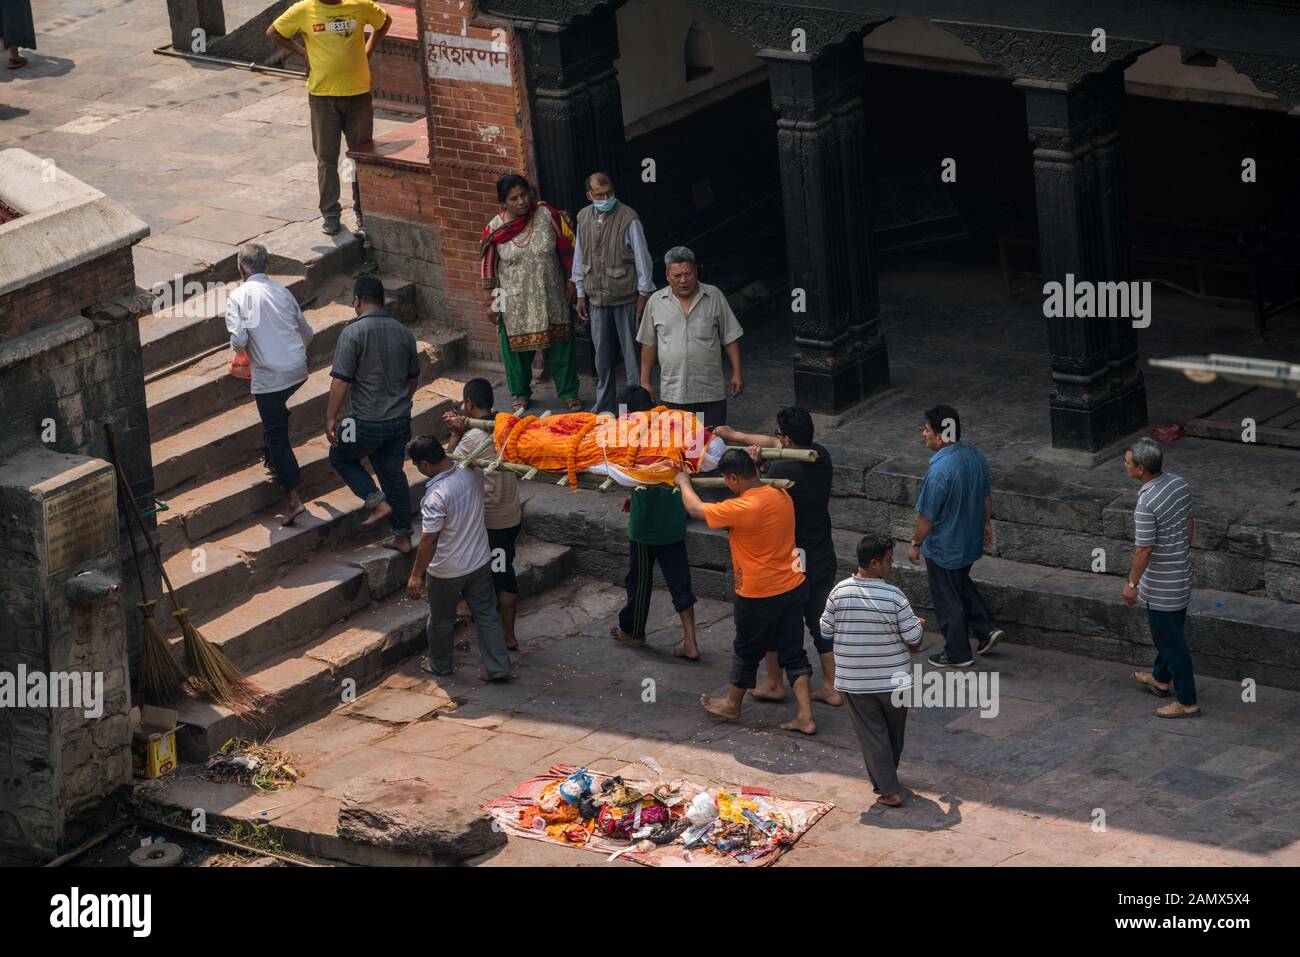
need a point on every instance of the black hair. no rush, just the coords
(426, 448)
(797, 424)
(940, 414)
(636, 399)
(508, 182)
(479, 391)
(873, 549)
(369, 289)
(738, 463)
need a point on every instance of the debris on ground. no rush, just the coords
(253, 765)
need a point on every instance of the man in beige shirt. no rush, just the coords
(685, 328)
(501, 511)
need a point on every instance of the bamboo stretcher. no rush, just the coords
(530, 473)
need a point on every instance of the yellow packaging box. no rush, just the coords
(153, 742)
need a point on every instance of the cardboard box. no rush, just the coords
(153, 741)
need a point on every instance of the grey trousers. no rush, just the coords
(481, 596)
(613, 338)
(879, 725)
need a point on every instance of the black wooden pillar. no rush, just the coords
(1098, 395)
(577, 115)
(840, 353)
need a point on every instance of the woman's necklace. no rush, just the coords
(527, 235)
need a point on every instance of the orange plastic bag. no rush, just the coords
(239, 366)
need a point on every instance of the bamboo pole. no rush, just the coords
(795, 455)
(595, 482)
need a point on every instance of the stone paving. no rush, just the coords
(209, 156)
(1072, 735)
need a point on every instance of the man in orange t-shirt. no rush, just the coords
(770, 588)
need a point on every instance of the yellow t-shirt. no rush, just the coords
(336, 43)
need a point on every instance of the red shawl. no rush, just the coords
(489, 240)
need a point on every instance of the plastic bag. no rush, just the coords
(576, 786)
(702, 809)
(239, 367)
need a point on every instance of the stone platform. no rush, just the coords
(1072, 736)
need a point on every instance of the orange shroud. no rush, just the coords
(648, 446)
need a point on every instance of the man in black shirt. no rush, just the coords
(815, 551)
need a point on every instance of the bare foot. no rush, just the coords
(827, 696)
(690, 652)
(402, 544)
(294, 512)
(808, 726)
(893, 800)
(768, 692)
(377, 514)
(618, 634)
(719, 707)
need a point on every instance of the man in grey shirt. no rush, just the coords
(685, 329)
(1161, 574)
(377, 366)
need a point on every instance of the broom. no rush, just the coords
(161, 679)
(211, 673)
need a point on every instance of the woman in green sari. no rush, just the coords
(527, 251)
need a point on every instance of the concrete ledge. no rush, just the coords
(64, 222)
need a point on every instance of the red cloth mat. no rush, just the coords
(506, 810)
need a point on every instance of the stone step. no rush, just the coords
(1042, 520)
(202, 507)
(206, 387)
(1213, 565)
(1231, 635)
(309, 676)
(233, 436)
(250, 553)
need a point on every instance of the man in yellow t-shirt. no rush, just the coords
(338, 82)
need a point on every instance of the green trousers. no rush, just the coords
(519, 368)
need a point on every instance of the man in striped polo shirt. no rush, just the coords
(1161, 574)
(875, 633)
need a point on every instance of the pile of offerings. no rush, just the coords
(671, 822)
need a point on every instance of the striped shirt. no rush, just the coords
(872, 624)
(1164, 506)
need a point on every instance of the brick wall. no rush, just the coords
(67, 293)
(476, 135)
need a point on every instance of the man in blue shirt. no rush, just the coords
(952, 527)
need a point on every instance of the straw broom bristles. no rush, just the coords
(211, 672)
(162, 680)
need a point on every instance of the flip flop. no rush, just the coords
(519, 406)
(1146, 680)
(20, 62)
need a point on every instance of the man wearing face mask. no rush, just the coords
(613, 276)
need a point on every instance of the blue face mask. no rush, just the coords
(604, 205)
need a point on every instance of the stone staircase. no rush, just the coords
(301, 609)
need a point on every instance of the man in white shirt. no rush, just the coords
(500, 496)
(453, 562)
(264, 321)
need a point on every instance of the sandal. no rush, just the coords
(574, 405)
(520, 406)
(1177, 710)
(1146, 680)
(15, 64)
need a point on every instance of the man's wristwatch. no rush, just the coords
(1132, 584)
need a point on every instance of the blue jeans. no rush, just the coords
(277, 450)
(1173, 659)
(384, 443)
